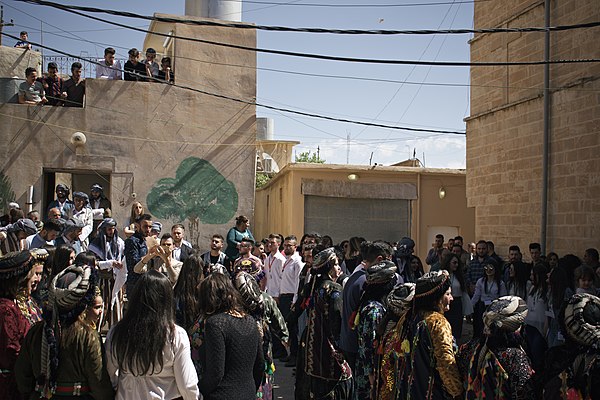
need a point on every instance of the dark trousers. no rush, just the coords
(285, 305)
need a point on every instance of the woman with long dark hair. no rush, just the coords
(536, 323)
(453, 264)
(558, 283)
(186, 291)
(414, 270)
(232, 353)
(148, 354)
(64, 256)
(430, 369)
(518, 276)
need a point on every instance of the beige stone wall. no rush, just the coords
(280, 205)
(505, 129)
(13, 62)
(141, 134)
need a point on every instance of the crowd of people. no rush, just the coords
(90, 308)
(52, 89)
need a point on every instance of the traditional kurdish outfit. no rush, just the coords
(390, 353)
(13, 328)
(322, 371)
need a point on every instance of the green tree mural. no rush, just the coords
(198, 193)
(6, 193)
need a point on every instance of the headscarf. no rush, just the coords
(24, 224)
(98, 244)
(400, 298)
(16, 263)
(251, 266)
(249, 289)
(582, 319)
(381, 273)
(430, 283)
(70, 292)
(322, 262)
(506, 313)
(405, 247)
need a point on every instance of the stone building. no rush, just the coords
(187, 155)
(505, 129)
(375, 202)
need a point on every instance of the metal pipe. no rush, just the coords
(546, 139)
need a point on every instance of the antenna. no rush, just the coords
(348, 146)
(371, 158)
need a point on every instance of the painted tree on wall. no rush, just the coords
(6, 193)
(198, 193)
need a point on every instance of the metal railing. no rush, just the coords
(64, 64)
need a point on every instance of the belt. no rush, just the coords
(286, 294)
(67, 389)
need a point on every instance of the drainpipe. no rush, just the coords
(546, 140)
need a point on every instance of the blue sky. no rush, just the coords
(431, 97)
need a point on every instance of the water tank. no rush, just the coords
(9, 90)
(265, 128)
(218, 9)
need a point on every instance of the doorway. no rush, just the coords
(76, 181)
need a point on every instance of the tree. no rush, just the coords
(308, 157)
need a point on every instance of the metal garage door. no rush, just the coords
(342, 218)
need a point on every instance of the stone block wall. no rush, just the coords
(505, 128)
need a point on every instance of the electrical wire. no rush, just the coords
(320, 56)
(439, 3)
(75, 9)
(216, 95)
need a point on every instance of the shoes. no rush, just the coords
(291, 362)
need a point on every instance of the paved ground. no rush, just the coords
(284, 381)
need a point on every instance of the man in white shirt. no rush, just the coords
(274, 266)
(273, 269)
(288, 290)
(109, 68)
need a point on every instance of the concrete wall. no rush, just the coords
(280, 204)
(190, 155)
(13, 62)
(505, 129)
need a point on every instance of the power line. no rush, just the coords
(326, 57)
(93, 61)
(439, 3)
(75, 9)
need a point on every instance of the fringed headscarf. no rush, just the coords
(70, 292)
(400, 298)
(582, 319)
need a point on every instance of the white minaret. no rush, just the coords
(228, 10)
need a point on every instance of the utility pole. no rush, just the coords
(2, 24)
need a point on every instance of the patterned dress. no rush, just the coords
(366, 361)
(391, 365)
(502, 374)
(431, 371)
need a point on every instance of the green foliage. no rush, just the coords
(198, 192)
(262, 179)
(6, 193)
(308, 157)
